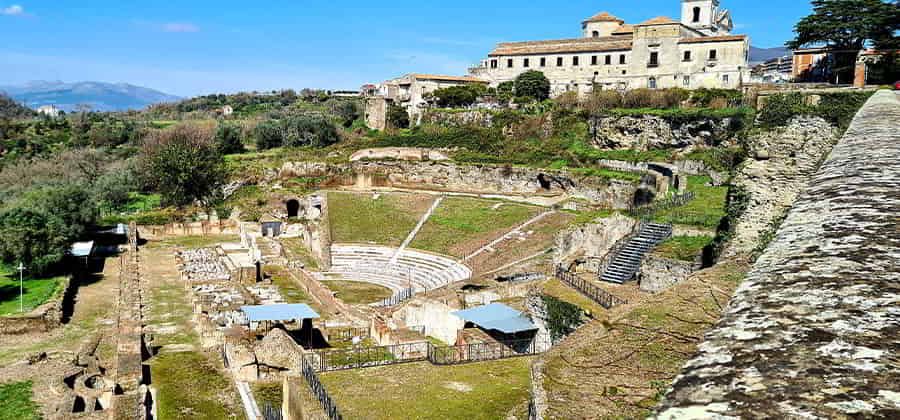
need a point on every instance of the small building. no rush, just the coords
(49, 110)
(265, 317)
(271, 227)
(409, 92)
(775, 70)
(227, 110)
(502, 323)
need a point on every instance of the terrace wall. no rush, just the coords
(43, 318)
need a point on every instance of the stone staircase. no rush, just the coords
(627, 261)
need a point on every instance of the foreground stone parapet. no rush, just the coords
(814, 330)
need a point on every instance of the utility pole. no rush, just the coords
(21, 295)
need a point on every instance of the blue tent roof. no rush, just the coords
(281, 312)
(497, 316)
(82, 249)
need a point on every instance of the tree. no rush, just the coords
(532, 84)
(347, 111)
(268, 135)
(228, 139)
(308, 130)
(182, 164)
(397, 117)
(459, 96)
(846, 27)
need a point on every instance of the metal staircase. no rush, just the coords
(626, 262)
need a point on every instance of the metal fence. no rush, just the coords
(363, 357)
(271, 413)
(396, 299)
(480, 352)
(347, 334)
(649, 210)
(602, 297)
(319, 392)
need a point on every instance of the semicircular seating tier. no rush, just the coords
(372, 264)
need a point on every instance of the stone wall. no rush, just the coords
(398, 153)
(593, 240)
(41, 319)
(652, 132)
(658, 273)
(814, 330)
(477, 179)
(456, 118)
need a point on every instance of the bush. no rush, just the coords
(562, 317)
(459, 96)
(780, 108)
(268, 135)
(600, 100)
(840, 108)
(532, 85)
(182, 164)
(397, 117)
(228, 139)
(706, 98)
(567, 101)
(654, 98)
(308, 130)
(347, 111)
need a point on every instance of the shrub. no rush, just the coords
(182, 164)
(346, 111)
(532, 85)
(705, 97)
(397, 117)
(600, 100)
(308, 130)
(840, 108)
(459, 96)
(268, 135)
(562, 317)
(567, 101)
(228, 139)
(780, 108)
(654, 98)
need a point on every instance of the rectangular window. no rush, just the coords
(493, 64)
(622, 59)
(654, 60)
(608, 60)
(725, 79)
(593, 60)
(509, 63)
(687, 56)
(525, 63)
(559, 61)
(713, 54)
(686, 81)
(543, 62)
(575, 61)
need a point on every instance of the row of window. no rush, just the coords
(607, 60)
(685, 81)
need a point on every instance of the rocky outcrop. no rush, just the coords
(459, 118)
(278, 350)
(658, 273)
(593, 240)
(814, 330)
(779, 166)
(652, 132)
(398, 153)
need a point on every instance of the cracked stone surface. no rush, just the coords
(814, 330)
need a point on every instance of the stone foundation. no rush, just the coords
(43, 318)
(658, 273)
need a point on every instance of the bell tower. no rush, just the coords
(706, 16)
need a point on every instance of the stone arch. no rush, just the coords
(293, 207)
(544, 181)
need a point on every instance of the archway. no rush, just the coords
(544, 181)
(293, 208)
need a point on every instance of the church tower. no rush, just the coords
(706, 17)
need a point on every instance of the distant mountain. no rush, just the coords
(98, 95)
(760, 55)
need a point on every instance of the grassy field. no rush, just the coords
(193, 241)
(385, 221)
(705, 210)
(296, 248)
(16, 403)
(459, 224)
(488, 390)
(36, 291)
(685, 248)
(267, 393)
(190, 387)
(355, 292)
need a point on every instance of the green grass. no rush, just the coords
(298, 250)
(35, 291)
(685, 248)
(190, 387)
(354, 292)
(138, 202)
(706, 209)
(16, 403)
(250, 199)
(286, 285)
(460, 220)
(357, 218)
(607, 174)
(268, 393)
(487, 390)
(196, 241)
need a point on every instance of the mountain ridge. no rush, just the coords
(100, 96)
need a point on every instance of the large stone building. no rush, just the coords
(408, 92)
(699, 51)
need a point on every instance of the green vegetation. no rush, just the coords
(228, 139)
(685, 248)
(487, 390)
(532, 85)
(299, 251)
(706, 209)
(459, 222)
(562, 317)
(183, 164)
(195, 241)
(268, 393)
(397, 117)
(836, 108)
(359, 218)
(289, 289)
(16, 403)
(190, 386)
(355, 292)
(311, 129)
(36, 291)
(459, 96)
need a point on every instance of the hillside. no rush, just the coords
(9, 108)
(760, 55)
(98, 95)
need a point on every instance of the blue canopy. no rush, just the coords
(280, 312)
(82, 249)
(497, 316)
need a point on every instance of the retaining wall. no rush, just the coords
(41, 319)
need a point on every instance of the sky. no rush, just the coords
(193, 47)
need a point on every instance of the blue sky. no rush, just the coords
(194, 47)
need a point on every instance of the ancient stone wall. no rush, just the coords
(658, 273)
(814, 330)
(41, 319)
(591, 241)
(398, 153)
(651, 132)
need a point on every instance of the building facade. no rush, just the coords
(409, 92)
(697, 51)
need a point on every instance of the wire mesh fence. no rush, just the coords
(480, 352)
(319, 392)
(367, 356)
(602, 297)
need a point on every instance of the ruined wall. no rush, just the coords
(478, 179)
(658, 273)
(814, 329)
(398, 153)
(591, 240)
(435, 316)
(652, 132)
(43, 318)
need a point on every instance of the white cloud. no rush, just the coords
(14, 10)
(179, 27)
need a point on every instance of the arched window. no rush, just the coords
(652, 83)
(696, 15)
(596, 34)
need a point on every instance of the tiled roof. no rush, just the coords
(659, 20)
(603, 17)
(448, 78)
(555, 46)
(702, 39)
